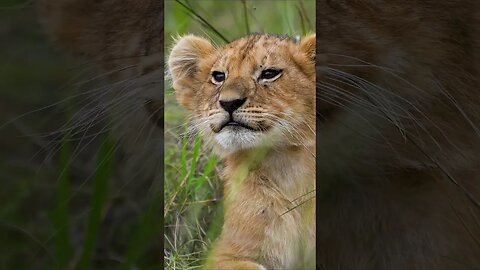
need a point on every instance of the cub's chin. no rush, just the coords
(234, 138)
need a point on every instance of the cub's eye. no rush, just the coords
(269, 74)
(218, 77)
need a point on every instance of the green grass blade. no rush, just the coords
(183, 159)
(245, 16)
(60, 216)
(288, 10)
(305, 17)
(302, 20)
(149, 227)
(216, 225)
(99, 197)
(210, 165)
(195, 154)
(203, 20)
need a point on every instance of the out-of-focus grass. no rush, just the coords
(103, 172)
(193, 210)
(61, 215)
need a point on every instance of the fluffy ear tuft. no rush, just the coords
(308, 46)
(304, 54)
(183, 64)
(185, 55)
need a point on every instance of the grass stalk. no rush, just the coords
(245, 16)
(149, 226)
(99, 198)
(203, 20)
(61, 216)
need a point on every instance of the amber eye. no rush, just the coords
(218, 77)
(269, 74)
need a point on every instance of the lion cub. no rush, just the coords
(254, 98)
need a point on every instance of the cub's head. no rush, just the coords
(256, 91)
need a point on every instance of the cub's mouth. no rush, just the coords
(234, 125)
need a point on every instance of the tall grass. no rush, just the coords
(148, 226)
(190, 193)
(193, 212)
(103, 173)
(61, 215)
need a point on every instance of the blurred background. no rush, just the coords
(71, 197)
(193, 188)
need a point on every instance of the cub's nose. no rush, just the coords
(232, 105)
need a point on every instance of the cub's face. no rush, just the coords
(256, 91)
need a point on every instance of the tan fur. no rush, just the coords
(398, 143)
(262, 182)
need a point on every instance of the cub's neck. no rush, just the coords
(289, 169)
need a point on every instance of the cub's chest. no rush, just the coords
(290, 237)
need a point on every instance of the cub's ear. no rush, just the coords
(184, 63)
(307, 46)
(304, 55)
